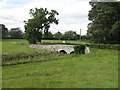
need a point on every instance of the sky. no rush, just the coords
(73, 14)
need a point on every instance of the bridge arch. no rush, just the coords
(72, 52)
(62, 52)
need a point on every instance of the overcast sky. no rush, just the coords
(73, 14)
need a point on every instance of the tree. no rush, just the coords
(4, 31)
(39, 23)
(15, 33)
(104, 0)
(105, 25)
(48, 36)
(107, 0)
(70, 35)
(58, 35)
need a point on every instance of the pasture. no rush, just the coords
(99, 69)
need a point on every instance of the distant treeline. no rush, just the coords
(13, 33)
(17, 33)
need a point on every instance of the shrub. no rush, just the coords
(32, 41)
(79, 49)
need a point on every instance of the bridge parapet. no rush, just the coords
(58, 48)
(67, 48)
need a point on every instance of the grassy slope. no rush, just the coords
(99, 69)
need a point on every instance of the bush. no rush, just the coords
(32, 41)
(79, 49)
(105, 46)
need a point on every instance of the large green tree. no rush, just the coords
(105, 22)
(40, 22)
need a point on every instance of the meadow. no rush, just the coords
(17, 51)
(99, 69)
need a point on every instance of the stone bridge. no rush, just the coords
(68, 49)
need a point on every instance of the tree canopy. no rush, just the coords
(105, 22)
(48, 36)
(40, 22)
(15, 33)
(58, 35)
(70, 35)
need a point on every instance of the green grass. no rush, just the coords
(15, 46)
(96, 70)
(0, 46)
(21, 46)
(67, 41)
(16, 51)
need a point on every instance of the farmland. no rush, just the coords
(99, 69)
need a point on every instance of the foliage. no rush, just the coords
(105, 25)
(40, 21)
(4, 31)
(104, 0)
(79, 49)
(58, 35)
(70, 35)
(84, 37)
(15, 33)
(49, 35)
(104, 46)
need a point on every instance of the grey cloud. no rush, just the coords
(73, 19)
(9, 18)
(73, 13)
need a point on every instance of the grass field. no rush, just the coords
(66, 41)
(18, 51)
(15, 46)
(96, 70)
(19, 45)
